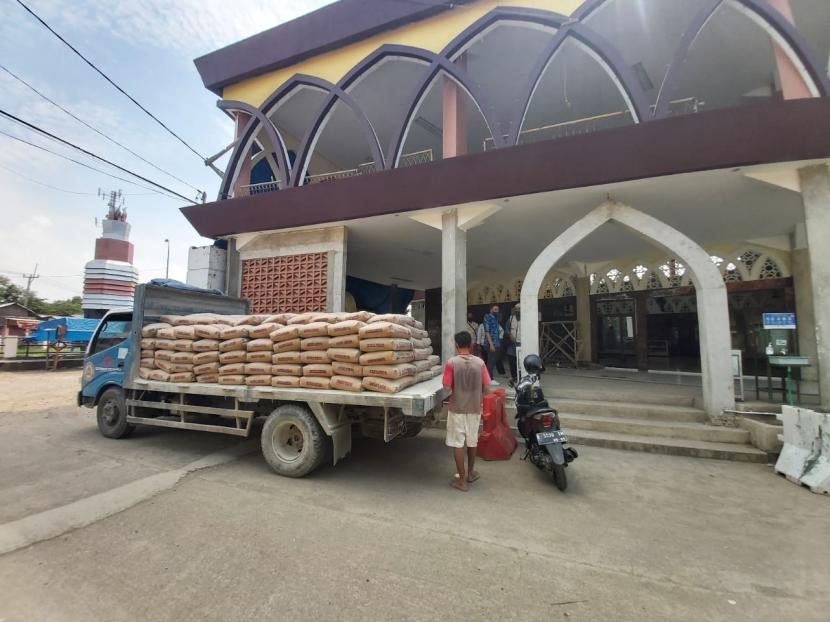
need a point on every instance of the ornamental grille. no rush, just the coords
(770, 270)
(291, 284)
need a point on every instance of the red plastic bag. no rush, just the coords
(496, 441)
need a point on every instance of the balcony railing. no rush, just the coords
(408, 159)
(251, 189)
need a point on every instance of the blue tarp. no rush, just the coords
(174, 284)
(77, 329)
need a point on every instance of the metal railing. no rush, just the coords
(252, 189)
(407, 160)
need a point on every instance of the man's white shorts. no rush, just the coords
(463, 429)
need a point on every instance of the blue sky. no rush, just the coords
(148, 47)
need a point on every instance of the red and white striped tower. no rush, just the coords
(110, 278)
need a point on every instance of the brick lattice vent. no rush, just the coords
(291, 284)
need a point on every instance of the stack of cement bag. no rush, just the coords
(344, 351)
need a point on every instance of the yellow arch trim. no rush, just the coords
(432, 34)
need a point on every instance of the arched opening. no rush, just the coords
(574, 95)
(713, 313)
(812, 18)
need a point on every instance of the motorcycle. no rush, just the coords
(538, 423)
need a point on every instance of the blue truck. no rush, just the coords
(303, 428)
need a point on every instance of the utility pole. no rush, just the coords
(29, 278)
(167, 267)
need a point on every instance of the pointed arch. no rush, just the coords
(770, 20)
(715, 340)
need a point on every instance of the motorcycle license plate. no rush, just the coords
(555, 436)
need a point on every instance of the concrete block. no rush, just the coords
(805, 456)
(206, 258)
(763, 435)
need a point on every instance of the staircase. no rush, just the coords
(653, 423)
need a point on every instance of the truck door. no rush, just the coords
(107, 354)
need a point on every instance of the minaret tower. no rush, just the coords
(110, 278)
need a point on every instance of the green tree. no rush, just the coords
(9, 292)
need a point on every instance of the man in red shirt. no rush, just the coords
(465, 375)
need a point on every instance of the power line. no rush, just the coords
(89, 153)
(94, 129)
(108, 79)
(84, 164)
(40, 183)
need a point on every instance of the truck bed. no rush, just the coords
(414, 401)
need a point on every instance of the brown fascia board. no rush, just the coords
(781, 131)
(325, 29)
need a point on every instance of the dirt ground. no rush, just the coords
(381, 536)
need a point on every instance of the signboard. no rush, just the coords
(738, 373)
(785, 321)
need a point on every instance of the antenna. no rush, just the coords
(115, 201)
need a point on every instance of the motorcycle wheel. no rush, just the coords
(559, 477)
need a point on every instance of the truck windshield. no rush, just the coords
(112, 333)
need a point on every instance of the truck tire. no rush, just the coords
(293, 443)
(112, 414)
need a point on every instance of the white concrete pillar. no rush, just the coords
(453, 281)
(584, 330)
(815, 193)
(803, 286)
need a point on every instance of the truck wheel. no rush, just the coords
(112, 414)
(413, 429)
(293, 442)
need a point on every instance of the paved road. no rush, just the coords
(382, 536)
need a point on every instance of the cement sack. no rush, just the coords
(206, 368)
(360, 316)
(262, 380)
(344, 355)
(386, 357)
(292, 345)
(148, 363)
(196, 318)
(313, 382)
(234, 356)
(208, 331)
(232, 369)
(347, 383)
(206, 345)
(302, 318)
(286, 369)
(383, 385)
(348, 327)
(395, 318)
(147, 354)
(164, 344)
(263, 331)
(184, 376)
(166, 333)
(184, 332)
(418, 333)
(231, 379)
(417, 324)
(207, 378)
(226, 320)
(389, 371)
(375, 330)
(314, 356)
(258, 369)
(170, 319)
(422, 366)
(292, 358)
(182, 357)
(252, 320)
(174, 368)
(436, 370)
(159, 375)
(285, 382)
(328, 318)
(421, 343)
(314, 329)
(164, 355)
(239, 343)
(145, 372)
(286, 333)
(183, 345)
(318, 370)
(345, 341)
(259, 357)
(147, 343)
(259, 345)
(381, 345)
(150, 330)
(434, 359)
(234, 332)
(278, 318)
(314, 343)
(347, 369)
(163, 365)
(200, 358)
(424, 376)
(422, 354)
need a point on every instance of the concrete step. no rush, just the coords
(609, 395)
(629, 410)
(669, 446)
(652, 428)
